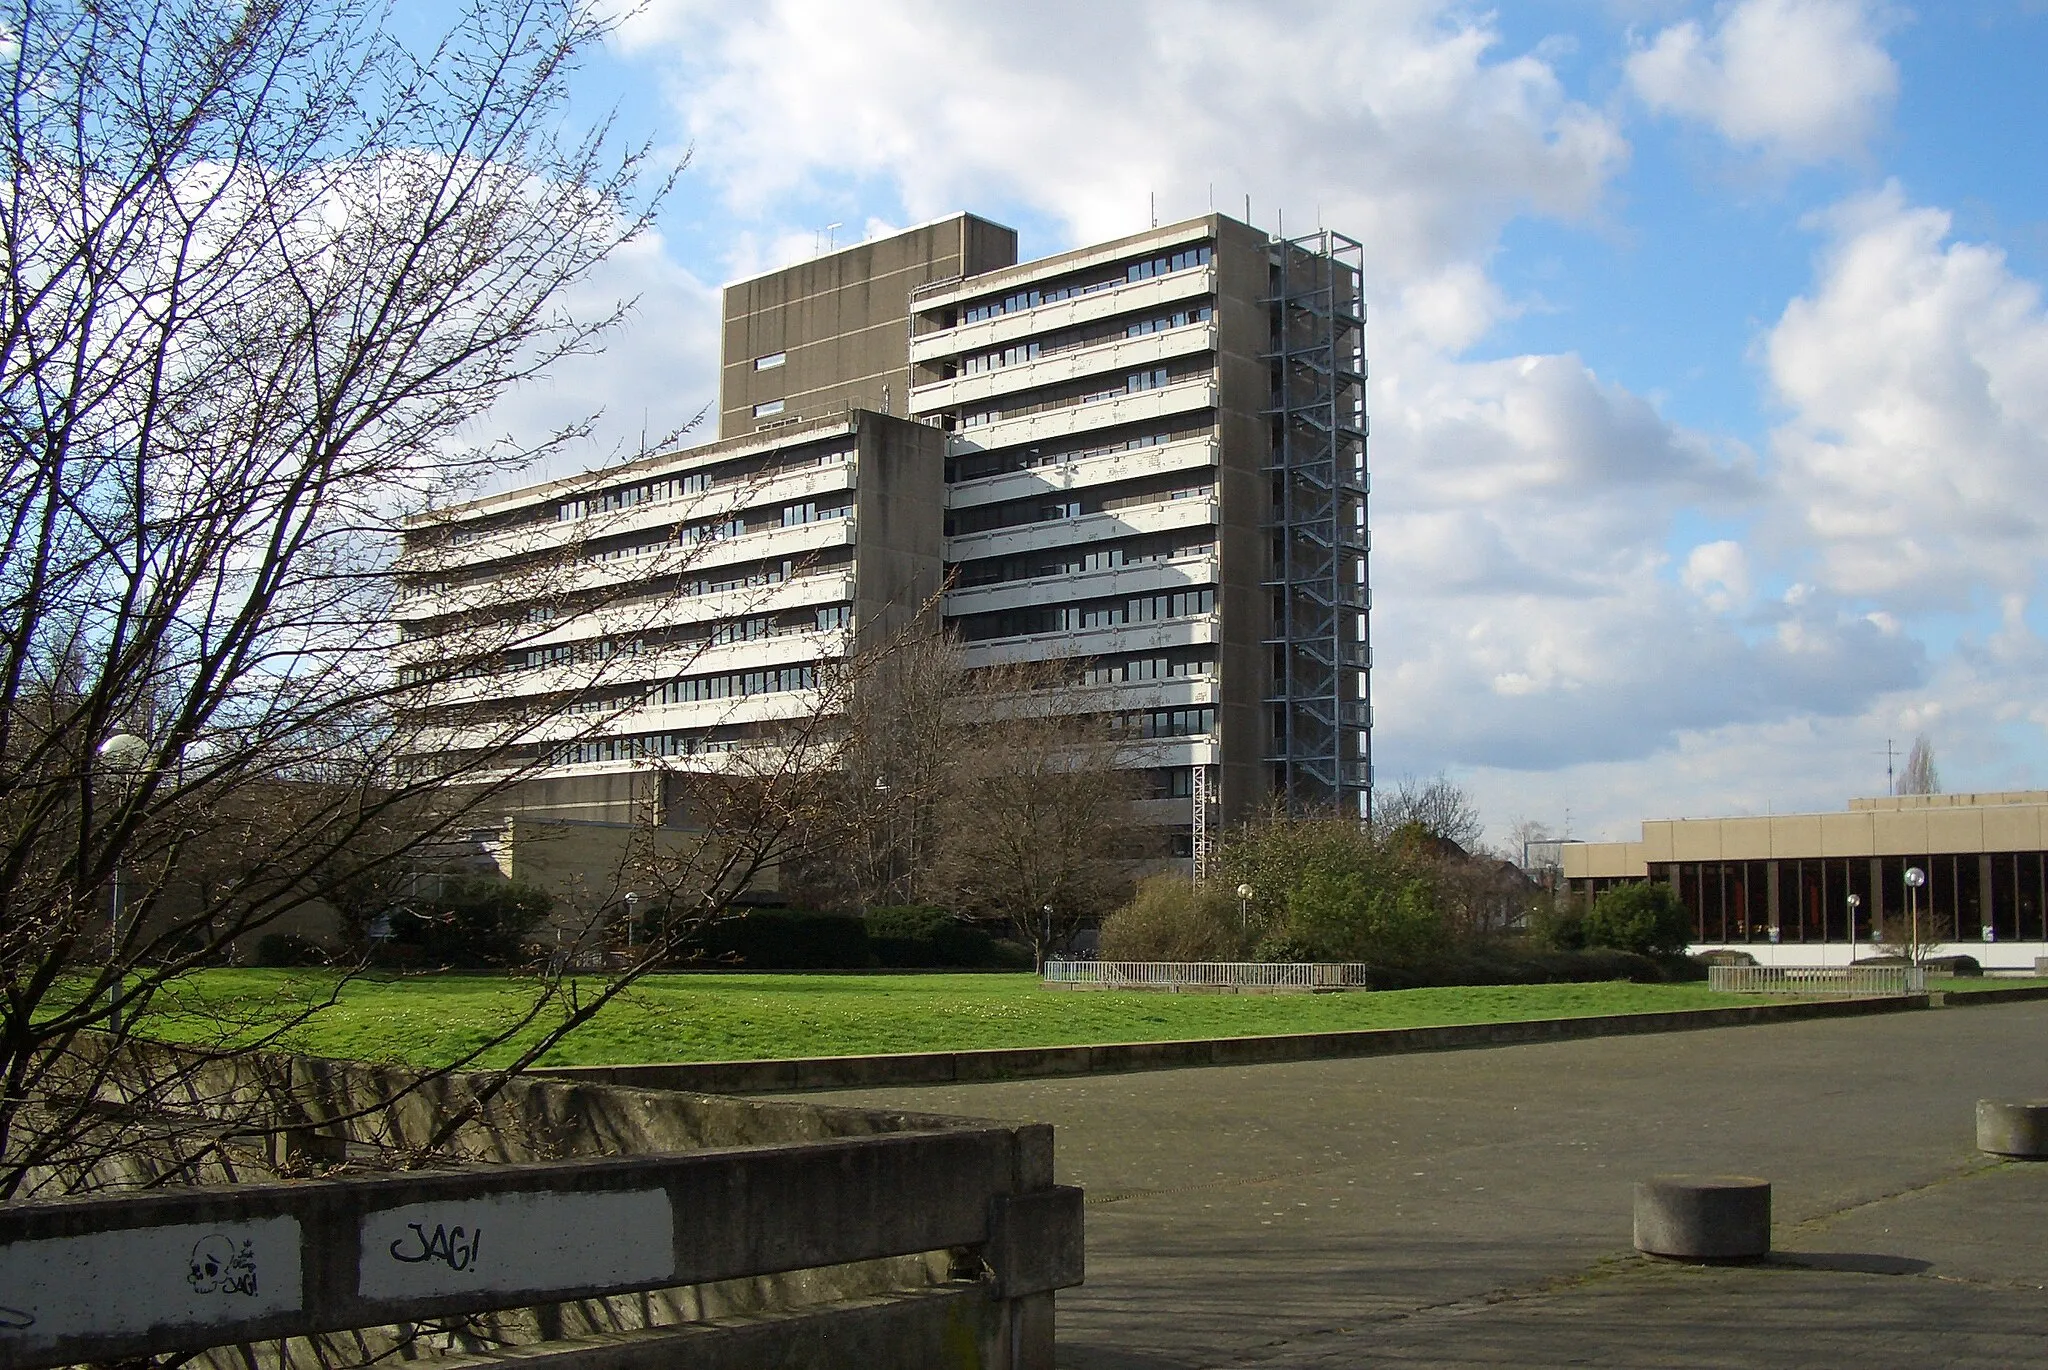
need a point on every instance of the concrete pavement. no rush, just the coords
(1472, 1208)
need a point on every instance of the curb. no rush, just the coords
(796, 1074)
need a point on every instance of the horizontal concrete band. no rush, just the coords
(104, 1279)
(1014, 1063)
(1967, 998)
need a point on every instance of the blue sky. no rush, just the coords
(1710, 363)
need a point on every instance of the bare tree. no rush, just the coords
(1918, 775)
(264, 268)
(1437, 806)
(1037, 830)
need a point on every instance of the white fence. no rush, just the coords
(1816, 981)
(1208, 974)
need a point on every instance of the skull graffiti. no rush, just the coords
(213, 1258)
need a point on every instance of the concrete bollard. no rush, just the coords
(2013, 1129)
(1704, 1217)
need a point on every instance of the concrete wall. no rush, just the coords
(1871, 830)
(878, 1224)
(1245, 495)
(842, 322)
(900, 498)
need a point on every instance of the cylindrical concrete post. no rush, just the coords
(2013, 1129)
(1704, 1217)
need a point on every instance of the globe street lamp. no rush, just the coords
(1915, 878)
(1244, 907)
(124, 755)
(1855, 902)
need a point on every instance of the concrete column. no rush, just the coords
(1771, 890)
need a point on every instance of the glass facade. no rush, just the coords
(1808, 900)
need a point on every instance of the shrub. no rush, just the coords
(289, 949)
(920, 935)
(469, 923)
(1559, 923)
(1647, 918)
(1346, 916)
(1170, 919)
(785, 939)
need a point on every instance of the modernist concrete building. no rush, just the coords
(1145, 458)
(1781, 887)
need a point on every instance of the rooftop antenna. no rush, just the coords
(1152, 206)
(1247, 207)
(832, 236)
(1889, 782)
(1212, 197)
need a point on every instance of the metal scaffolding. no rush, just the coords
(1322, 648)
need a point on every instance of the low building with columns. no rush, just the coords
(1817, 888)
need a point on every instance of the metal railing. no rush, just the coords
(1818, 981)
(1209, 974)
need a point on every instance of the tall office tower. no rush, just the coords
(1156, 470)
(1149, 458)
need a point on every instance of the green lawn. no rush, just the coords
(1964, 984)
(433, 1020)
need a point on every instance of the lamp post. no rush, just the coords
(123, 754)
(1915, 878)
(631, 900)
(1855, 902)
(1244, 908)
(1047, 941)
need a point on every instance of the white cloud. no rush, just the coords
(657, 373)
(1915, 461)
(1718, 572)
(1406, 128)
(1803, 80)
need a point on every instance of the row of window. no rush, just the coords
(626, 497)
(1144, 668)
(1032, 297)
(1168, 723)
(1132, 383)
(718, 530)
(1003, 461)
(985, 518)
(1020, 352)
(1081, 559)
(735, 685)
(1138, 609)
(635, 748)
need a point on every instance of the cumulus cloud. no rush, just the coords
(1407, 128)
(1804, 80)
(1916, 372)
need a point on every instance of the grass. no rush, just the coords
(434, 1020)
(1964, 984)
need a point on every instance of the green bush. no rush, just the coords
(1559, 923)
(785, 939)
(468, 923)
(1347, 916)
(1647, 918)
(918, 936)
(1171, 919)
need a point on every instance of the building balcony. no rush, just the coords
(1107, 302)
(625, 620)
(1183, 397)
(1067, 588)
(734, 496)
(1080, 473)
(629, 673)
(1121, 640)
(666, 562)
(1157, 516)
(1099, 359)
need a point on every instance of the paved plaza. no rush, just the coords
(1472, 1208)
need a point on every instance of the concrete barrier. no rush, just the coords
(793, 1075)
(2018, 1130)
(107, 1279)
(1704, 1217)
